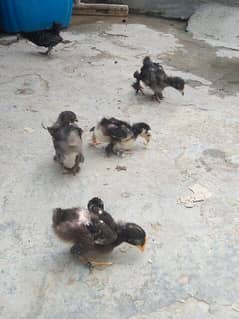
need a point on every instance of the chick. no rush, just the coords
(47, 38)
(153, 75)
(96, 206)
(67, 140)
(119, 135)
(64, 118)
(90, 234)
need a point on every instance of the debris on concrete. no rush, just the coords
(30, 109)
(125, 195)
(187, 201)
(183, 280)
(26, 91)
(121, 168)
(199, 194)
(28, 130)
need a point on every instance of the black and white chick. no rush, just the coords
(67, 140)
(119, 135)
(90, 234)
(153, 75)
(47, 38)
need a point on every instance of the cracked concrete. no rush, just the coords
(190, 267)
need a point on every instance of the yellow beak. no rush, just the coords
(147, 139)
(142, 247)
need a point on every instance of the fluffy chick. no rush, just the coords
(96, 206)
(119, 135)
(90, 234)
(153, 75)
(67, 140)
(47, 38)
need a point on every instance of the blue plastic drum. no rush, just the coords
(32, 15)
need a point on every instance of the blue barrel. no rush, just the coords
(32, 15)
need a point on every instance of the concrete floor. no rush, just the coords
(190, 267)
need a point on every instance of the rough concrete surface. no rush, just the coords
(217, 24)
(190, 267)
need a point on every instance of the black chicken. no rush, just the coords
(47, 38)
(153, 75)
(94, 231)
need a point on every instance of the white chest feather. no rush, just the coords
(100, 137)
(70, 160)
(125, 145)
(84, 217)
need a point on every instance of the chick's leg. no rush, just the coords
(141, 90)
(109, 150)
(138, 88)
(94, 141)
(82, 158)
(76, 250)
(160, 95)
(76, 167)
(155, 97)
(48, 51)
(71, 171)
(91, 264)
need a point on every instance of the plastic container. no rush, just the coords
(32, 15)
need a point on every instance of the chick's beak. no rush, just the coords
(142, 247)
(147, 138)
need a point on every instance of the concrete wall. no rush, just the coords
(182, 9)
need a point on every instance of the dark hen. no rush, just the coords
(153, 75)
(119, 135)
(47, 38)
